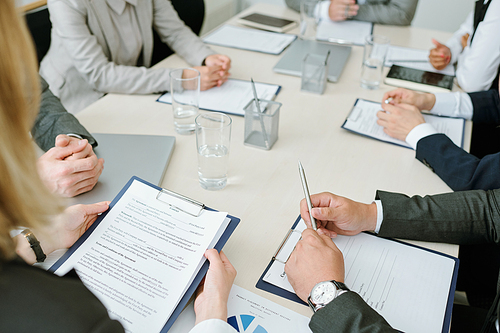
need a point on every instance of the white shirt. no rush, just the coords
(213, 326)
(455, 104)
(477, 66)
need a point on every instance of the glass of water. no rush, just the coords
(309, 17)
(213, 135)
(185, 92)
(373, 61)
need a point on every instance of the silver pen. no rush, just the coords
(257, 104)
(307, 195)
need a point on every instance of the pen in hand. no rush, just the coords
(306, 194)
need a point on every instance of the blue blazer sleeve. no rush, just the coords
(486, 105)
(457, 168)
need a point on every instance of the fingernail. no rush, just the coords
(82, 142)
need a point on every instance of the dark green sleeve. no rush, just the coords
(467, 217)
(53, 119)
(348, 313)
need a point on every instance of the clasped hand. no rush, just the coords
(215, 72)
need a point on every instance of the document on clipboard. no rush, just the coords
(143, 258)
(231, 97)
(363, 120)
(402, 282)
(345, 32)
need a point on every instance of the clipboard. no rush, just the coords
(263, 285)
(162, 193)
(354, 114)
(235, 109)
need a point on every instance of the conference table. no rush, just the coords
(264, 187)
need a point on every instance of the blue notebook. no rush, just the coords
(448, 303)
(199, 276)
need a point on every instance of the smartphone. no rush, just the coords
(265, 22)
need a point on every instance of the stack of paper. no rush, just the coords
(346, 32)
(250, 39)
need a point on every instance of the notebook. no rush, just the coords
(291, 62)
(127, 155)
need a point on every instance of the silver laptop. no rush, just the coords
(291, 61)
(144, 156)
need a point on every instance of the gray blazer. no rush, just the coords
(394, 12)
(79, 65)
(470, 217)
(53, 120)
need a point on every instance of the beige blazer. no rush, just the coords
(79, 65)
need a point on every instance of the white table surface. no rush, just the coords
(264, 187)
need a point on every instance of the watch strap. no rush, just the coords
(34, 244)
(341, 288)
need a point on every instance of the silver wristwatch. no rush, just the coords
(325, 292)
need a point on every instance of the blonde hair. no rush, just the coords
(24, 200)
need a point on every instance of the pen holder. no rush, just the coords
(314, 73)
(261, 128)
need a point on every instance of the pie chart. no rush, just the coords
(243, 324)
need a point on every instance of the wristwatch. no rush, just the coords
(35, 245)
(325, 292)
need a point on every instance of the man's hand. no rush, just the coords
(338, 215)
(213, 292)
(399, 119)
(440, 56)
(315, 259)
(421, 101)
(64, 230)
(464, 40)
(70, 168)
(341, 10)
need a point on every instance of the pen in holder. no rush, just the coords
(261, 123)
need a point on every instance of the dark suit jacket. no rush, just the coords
(471, 217)
(459, 169)
(53, 119)
(33, 300)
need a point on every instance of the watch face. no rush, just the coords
(323, 293)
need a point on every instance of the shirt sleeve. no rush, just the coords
(456, 104)
(455, 42)
(419, 132)
(477, 65)
(213, 326)
(380, 215)
(323, 10)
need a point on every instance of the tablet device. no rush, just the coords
(127, 155)
(265, 22)
(291, 61)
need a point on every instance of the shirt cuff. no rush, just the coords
(75, 136)
(456, 104)
(380, 215)
(323, 10)
(419, 132)
(361, 2)
(213, 326)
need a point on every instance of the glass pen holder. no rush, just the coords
(314, 73)
(261, 128)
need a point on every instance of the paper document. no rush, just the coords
(248, 312)
(402, 283)
(363, 120)
(231, 97)
(345, 32)
(421, 57)
(142, 257)
(250, 39)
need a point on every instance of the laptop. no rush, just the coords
(291, 61)
(127, 155)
